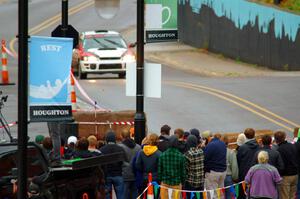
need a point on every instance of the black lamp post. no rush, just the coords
(22, 97)
(64, 18)
(139, 118)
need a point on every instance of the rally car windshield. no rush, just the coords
(106, 42)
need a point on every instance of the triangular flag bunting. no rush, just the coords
(198, 195)
(170, 191)
(204, 195)
(156, 191)
(219, 193)
(244, 186)
(237, 190)
(183, 195)
(192, 195)
(211, 194)
(176, 193)
(232, 190)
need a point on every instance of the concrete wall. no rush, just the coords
(242, 30)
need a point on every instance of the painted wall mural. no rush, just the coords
(270, 25)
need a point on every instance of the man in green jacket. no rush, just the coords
(171, 170)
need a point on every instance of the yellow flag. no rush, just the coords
(204, 195)
(219, 193)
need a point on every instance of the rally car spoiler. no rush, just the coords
(84, 163)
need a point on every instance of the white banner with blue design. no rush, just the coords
(49, 77)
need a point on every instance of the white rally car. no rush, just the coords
(101, 52)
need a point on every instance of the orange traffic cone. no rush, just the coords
(150, 194)
(73, 93)
(5, 79)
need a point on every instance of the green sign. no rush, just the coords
(164, 9)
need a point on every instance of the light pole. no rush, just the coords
(139, 118)
(64, 18)
(22, 97)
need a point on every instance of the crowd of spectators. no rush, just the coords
(194, 161)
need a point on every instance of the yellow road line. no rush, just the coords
(51, 21)
(245, 101)
(180, 84)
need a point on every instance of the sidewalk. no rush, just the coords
(202, 62)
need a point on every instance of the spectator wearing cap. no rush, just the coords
(186, 135)
(288, 188)
(113, 172)
(246, 156)
(181, 142)
(196, 133)
(163, 143)
(39, 139)
(93, 145)
(194, 166)
(232, 171)
(147, 159)
(69, 151)
(171, 169)
(274, 156)
(241, 139)
(131, 149)
(215, 163)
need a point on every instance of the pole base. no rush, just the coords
(7, 84)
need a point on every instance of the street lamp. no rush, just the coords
(107, 9)
(139, 118)
(22, 97)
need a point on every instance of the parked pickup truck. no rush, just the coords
(75, 179)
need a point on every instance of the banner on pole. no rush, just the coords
(49, 77)
(161, 20)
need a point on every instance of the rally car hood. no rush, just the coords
(109, 52)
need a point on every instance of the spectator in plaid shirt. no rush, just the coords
(194, 166)
(171, 169)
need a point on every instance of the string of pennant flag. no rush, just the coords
(204, 194)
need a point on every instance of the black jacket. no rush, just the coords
(297, 145)
(114, 169)
(274, 157)
(246, 157)
(289, 156)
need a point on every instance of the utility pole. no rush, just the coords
(22, 97)
(139, 118)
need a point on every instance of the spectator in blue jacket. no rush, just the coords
(215, 163)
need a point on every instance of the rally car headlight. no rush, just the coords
(128, 58)
(90, 58)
